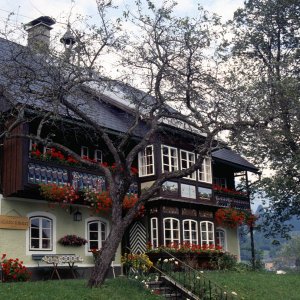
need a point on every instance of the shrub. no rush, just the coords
(139, 262)
(226, 261)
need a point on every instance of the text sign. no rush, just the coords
(14, 222)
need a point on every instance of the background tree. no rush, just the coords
(264, 65)
(171, 59)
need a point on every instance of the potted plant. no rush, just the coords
(72, 240)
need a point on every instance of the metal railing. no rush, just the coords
(187, 280)
(192, 280)
(177, 287)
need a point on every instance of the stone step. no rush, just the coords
(154, 283)
(172, 296)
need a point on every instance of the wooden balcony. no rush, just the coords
(49, 172)
(238, 202)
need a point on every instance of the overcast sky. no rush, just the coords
(26, 10)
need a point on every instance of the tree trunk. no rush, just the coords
(252, 249)
(103, 261)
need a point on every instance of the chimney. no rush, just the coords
(39, 33)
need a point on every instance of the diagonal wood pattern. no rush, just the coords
(137, 238)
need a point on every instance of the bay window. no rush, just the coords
(221, 238)
(187, 159)
(207, 233)
(169, 157)
(146, 162)
(205, 171)
(171, 231)
(154, 232)
(190, 231)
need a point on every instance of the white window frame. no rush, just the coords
(172, 239)
(207, 240)
(154, 229)
(98, 156)
(31, 142)
(205, 170)
(188, 162)
(89, 221)
(191, 191)
(223, 231)
(84, 152)
(46, 215)
(146, 161)
(169, 165)
(190, 231)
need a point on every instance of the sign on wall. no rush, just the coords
(14, 222)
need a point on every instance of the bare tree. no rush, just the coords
(172, 61)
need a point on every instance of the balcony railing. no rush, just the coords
(42, 172)
(230, 201)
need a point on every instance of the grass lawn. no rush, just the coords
(113, 289)
(259, 285)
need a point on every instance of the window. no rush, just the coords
(98, 156)
(205, 171)
(96, 234)
(146, 162)
(187, 159)
(204, 193)
(84, 152)
(220, 238)
(170, 187)
(190, 231)
(171, 231)
(33, 145)
(188, 191)
(40, 233)
(220, 182)
(207, 233)
(154, 233)
(169, 158)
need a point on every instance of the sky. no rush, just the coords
(27, 10)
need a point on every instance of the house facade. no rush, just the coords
(32, 220)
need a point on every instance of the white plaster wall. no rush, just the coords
(15, 242)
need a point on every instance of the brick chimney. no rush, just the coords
(39, 33)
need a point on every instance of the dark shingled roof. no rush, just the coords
(230, 157)
(103, 109)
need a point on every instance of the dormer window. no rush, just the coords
(84, 152)
(169, 156)
(205, 171)
(146, 162)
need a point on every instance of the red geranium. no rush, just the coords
(231, 217)
(14, 270)
(62, 194)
